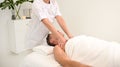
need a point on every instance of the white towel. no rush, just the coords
(93, 51)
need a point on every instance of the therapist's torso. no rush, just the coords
(40, 10)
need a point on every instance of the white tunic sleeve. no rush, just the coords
(39, 10)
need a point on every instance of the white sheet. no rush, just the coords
(36, 59)
(93, 51)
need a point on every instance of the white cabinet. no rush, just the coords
(17, 33)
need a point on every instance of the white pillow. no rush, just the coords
(43, 49)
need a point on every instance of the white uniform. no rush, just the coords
(37, 31)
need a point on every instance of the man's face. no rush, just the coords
(55, 40)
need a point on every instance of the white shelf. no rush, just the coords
(17, 33)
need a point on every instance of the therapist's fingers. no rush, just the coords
(70, 36)
(61, 45)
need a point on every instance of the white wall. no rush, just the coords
(7, 58)
(98, 18)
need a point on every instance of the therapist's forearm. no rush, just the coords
(63, 25)
(49, 25)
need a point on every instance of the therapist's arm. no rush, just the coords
(63, 25)
(49, 25)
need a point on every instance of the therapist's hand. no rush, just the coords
(61, 43)
(70, 36)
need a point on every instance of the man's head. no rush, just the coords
(52, 40)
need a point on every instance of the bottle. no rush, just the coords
(13, 15)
